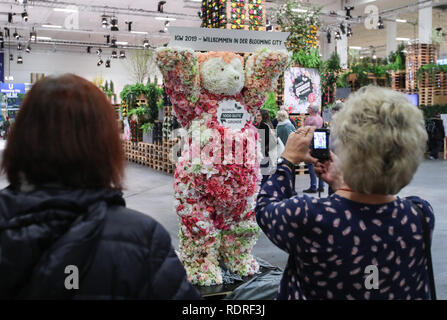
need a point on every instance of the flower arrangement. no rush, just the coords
(217, 175)
(302, 25)
(255, 11)
(237, 14)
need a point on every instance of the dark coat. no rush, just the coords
(120, 253)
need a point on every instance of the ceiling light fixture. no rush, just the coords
(403, 39)
(32, 35)
(348, 12)
(146, 43)
(100, 62)
(114, 54)
(99, 51)
(19, 47)
(104, 22)
(160, 6)
(122, 54)
(16, 35)
(349, 31)
(139, 32)
(65, 10)
(299, 10)
(25, 16)
(165, 19)
(122, 43)
(19, 60)
(337, 35)
(43, 38)
(51, 26)
(108, 63)
(355, 48)
(401, 20)
(11, 57)
(114, 24)
(129, 25)
(28, 48)
(380, 25)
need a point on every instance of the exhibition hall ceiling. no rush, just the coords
(50, 22)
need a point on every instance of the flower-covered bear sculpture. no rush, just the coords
(216, 180)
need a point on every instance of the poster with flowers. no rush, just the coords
(301, 88)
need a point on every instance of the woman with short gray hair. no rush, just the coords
(363, 228)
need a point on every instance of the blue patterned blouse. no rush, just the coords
(332, 241)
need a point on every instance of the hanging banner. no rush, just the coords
(209, 39)
(301, 88)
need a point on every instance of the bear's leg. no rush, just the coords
(199, 253)
(236, 245)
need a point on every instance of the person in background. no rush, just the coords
(336, 108)
(283, 130)
(436, 135)
(275, 121)
(265, 133)
(6, 126)
(381, 139)
(316, 121)
(65, 207)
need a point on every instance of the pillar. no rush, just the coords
(425, 23)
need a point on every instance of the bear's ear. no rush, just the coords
(201, 57)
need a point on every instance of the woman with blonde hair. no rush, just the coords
(363, 228)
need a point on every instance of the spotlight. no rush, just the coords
(348, 12)
(28, 49)
(25, 16)
(16, 35)
(99, 51)
(89, 49)
(19, 47)
(104, 22)
(113, 45)
(114, 24)
(33, 36)
(114, 54)
(100, 62)
(342, 28)
(122, 54)
(328, 35)
(380, 24)
(349, 31)
(129, 26)
(11, 57)
(108, 63)
(166, 26)
(160, 5)
(337, 35)
(19, 60)
(146, 43)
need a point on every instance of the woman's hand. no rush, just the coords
(297, 146)
(329, 172)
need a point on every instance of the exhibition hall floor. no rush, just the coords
(151, 192)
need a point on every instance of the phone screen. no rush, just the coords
(320, 140)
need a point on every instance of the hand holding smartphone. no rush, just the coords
(320, 145)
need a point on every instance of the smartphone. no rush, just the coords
(320, 145)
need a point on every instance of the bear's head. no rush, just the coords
(221, 72)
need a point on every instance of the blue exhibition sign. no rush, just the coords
(12, 88)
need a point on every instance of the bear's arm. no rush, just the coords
(261, 74)
(180, 70)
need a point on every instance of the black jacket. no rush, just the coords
(120, 253)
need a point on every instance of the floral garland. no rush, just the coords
(255, 10)
(237, 14)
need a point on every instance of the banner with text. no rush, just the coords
(207, 39)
